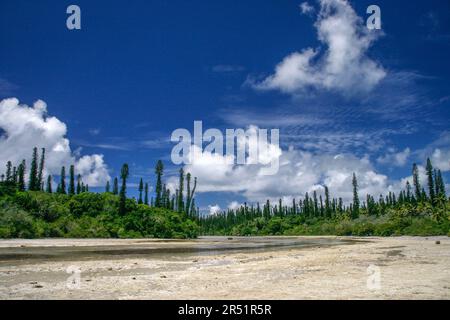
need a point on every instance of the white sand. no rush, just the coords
(409, 268)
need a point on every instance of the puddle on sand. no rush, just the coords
(170, 250)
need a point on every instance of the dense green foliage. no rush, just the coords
(73, 211)
(33, 214)
(405, 213)
(404, 220)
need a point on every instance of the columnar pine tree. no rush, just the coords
(408, 191)
(141, 189)
(78, 183)
(62, 184)
(190, 193)
(355, 211)
(123, 190)
(327, 203)
(416, 183)
(34, 183)
(440, 187)
(14, 176)
(72, 180)
(158, 189)
(21, 176)
(9, 174)
(146, 194)
(180, 204)
(316, 204)
(116, 186)
(107, 188)
(429, 170)
(41, 169)
(49, 184)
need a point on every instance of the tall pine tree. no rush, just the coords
(21, 176)
(41, 169)
(49, 184)
(62, 184)
(33, 184)
(355, 207)
(429, 170)
(141, 189)
(416, 183)
(159, 169)
(116, 186)
(78, 183)
(180, 202)
(123, 189)
(146, 194)
(72, 180)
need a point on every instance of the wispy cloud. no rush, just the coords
(244, 118)
(227, 68)
(306, 8)
(127, 144)
(107, 146)
(7, 88)
(94, 131)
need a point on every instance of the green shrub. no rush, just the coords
(15, 222)
(87, 215)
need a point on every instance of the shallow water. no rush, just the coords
(160, 249)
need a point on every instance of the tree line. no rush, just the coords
(181, 201)
(417, 209)
(412, 198)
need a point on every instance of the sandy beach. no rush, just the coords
(319, 268)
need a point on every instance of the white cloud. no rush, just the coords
(438, 151)
(393, 158)
(299, 172)
(215, 209)
(234, 205)
(22, 128)
(93, 169)
(306, 8)
(441, 159)
(344, 65)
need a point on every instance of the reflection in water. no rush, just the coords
(162, 249)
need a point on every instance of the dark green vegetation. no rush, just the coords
(73, 211)
(37, 209)
(416, 210)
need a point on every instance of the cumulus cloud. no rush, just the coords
(299, 172)
(342, 66)
(438, 151)
(215, 209)
(393, 158)
(22, 128)
(441, 159)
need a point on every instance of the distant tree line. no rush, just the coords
(314, 206)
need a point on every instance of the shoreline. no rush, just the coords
(408, 268)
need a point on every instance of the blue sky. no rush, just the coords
(137, 71)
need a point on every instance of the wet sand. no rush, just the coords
(223, 268)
